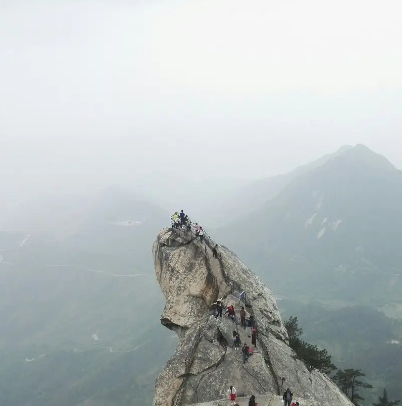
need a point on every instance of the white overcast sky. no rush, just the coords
(98, 92)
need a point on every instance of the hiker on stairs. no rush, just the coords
(243, 317)
(287, 397)
(252, 402)
(250, 324)
(230, 311)
(246, 353)
(236, 340)
(254, 338)
(219, 308)
(232, 394)
(215, 251)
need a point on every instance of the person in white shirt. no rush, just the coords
(201, 234)
(232, 394)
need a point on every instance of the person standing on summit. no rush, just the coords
(182, 218)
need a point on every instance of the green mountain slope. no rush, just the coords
(358, 337)
(330, 232)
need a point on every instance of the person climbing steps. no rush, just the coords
(254, 338)
(252, 401)
(236, 340)
(250, 325)
(232, 394)
(230, 311)
(287, 397)
(246, 353)
(219, 308)
(243, 317)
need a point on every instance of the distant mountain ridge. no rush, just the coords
(345, 215)
(249, 198)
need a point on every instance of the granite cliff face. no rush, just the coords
(205, 363)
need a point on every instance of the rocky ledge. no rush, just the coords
(206, 363)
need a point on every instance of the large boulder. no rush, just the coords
(206, 362)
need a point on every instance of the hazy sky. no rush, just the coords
(95, 92)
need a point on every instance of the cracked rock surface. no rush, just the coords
(206, 363)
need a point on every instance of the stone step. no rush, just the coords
(262, 400)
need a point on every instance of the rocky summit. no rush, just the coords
(206, 362)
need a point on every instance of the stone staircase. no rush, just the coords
(262, 400)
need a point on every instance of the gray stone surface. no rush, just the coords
(206, 363)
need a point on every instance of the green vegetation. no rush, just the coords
(349, 382)
(356, 337)
(314, 358)
(383, 400)
(310, 354)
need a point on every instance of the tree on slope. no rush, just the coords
(293, 329)
(349, 383)
(310, 354)
(383, 400)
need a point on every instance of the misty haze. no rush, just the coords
(275, 127)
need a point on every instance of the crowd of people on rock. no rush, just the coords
(182, 221)
(246, 323)
(249, 325)
(179, 220)
(287, 398)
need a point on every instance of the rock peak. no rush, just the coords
(206, 361)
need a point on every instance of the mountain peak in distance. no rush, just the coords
(362, 155)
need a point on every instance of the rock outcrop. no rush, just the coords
(206, 363)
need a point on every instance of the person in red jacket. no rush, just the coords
(231, 313)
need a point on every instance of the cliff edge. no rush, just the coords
(206, 363)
